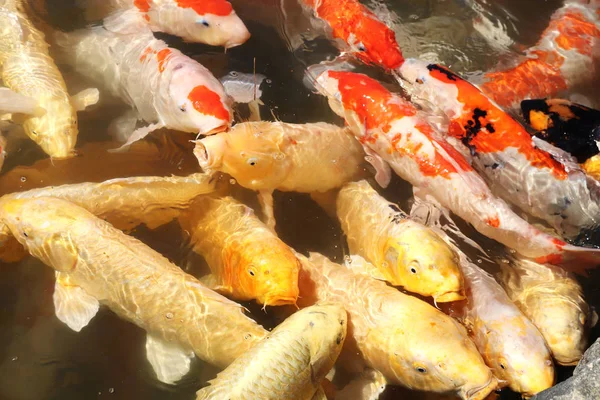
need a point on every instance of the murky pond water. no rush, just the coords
(40, 358)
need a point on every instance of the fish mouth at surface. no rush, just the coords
(280, 300)
(206, 158)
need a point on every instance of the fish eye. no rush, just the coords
(233, 73)
(413, 267)
(251, 271)
(502, 366)
(419, 81)
(182, 108)
(203, 22)
(252, 161)
(421, 370)
(361, 47)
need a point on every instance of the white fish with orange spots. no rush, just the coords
(164, 87)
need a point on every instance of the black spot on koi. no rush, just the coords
(449, 74)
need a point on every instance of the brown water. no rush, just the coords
(40, 358)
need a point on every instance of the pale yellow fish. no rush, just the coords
(268, 156)
(289, 363)
(408, 341)
(97, 264)
(553, 300)
(405, 252)
(49, 114)
(248, 261)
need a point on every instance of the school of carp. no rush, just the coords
(409, 305)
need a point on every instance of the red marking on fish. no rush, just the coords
(354, 23)
(217, 7)
(145, 53)
(208, 102)
(488, 129)
(161, 56)
(377, 107)
(555, 259)
(493, 222)
(142, 5)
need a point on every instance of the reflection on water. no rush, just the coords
(40, 358)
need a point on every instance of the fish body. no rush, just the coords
(28, 70)
(98, 264)
(503, 152)
(314, 157)
(405, 252)
(509, 342)
(165, 87)
(289, 363)
(213, 22)
(368, 38)
(562, 58)
(410, 342)
(394, 129)
(553, 300)
(242, 87)
(248, 261)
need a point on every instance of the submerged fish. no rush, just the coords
(563, 57)
(394, 129)
(513, 165)
(97, 264)
(289, 363)
(265, 156)
(403, 251)
(213, 22)
(245, 88)
(572, 127)
(248, 261)
(164, 87)
(405, 339)
(553, 300)
(36, 93)
(369, 39)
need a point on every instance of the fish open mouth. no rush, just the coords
(209, 152)
(280, 300)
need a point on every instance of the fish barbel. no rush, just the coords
(404, 252)
(265, 156)
(165, 87)
(408, 341)
(289, 363)
(97, 264)
(248, 261)
(213, 22)
(27, 69)
(563, 57)
(553, 300)
(502, 151)
(394, 129)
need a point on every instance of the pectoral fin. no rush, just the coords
(16, 103)
(359, 265)
(139, 134)
(211, 282)
(169, 361)
(383, 172)
(126, 22)
(72, 304)
(368, 386)
(85, 98)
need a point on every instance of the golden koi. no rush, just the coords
(405, 339)
(404, 252)
(97, 264)
(289, 363)
(248, 261)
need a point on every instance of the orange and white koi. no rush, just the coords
(562, 58)
(394, 129)
(165, 87)
(369, 38)
(516, 167)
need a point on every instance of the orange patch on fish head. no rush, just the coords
(207, 102)
(202, 7)
(142, 5)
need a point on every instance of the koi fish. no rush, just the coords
(265, 156)
(36, 94)
(571, 127)
(402, 338)
(553, 300)
(402, 137)
(165, 87)
(213, 22)
(403, 251)
(96, 263)
(289, 363)
(245, 88)
(369, 39)
(502, 151)
(248, 261)
(562, 58)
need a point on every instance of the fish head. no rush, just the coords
(55, 131)
(422, 262)
(435, 355)
(197, 101)
(267, 270)
(250, 152)
(211, 22)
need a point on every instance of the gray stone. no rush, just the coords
(585, 382)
